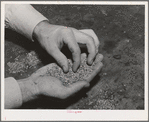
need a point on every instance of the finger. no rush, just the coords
(99, 58)
(60, 58)
(73, 88)
(83, 57)
(91, 51)
(71, 42)
(89, 41)
(91, 33)
(96, 70)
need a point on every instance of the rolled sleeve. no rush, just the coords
(23, 18)
(13, 96)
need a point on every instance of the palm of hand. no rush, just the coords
(51, 86)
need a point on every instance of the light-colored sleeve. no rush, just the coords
(13, 96)
(22, 18)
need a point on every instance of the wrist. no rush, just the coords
(39, 29)
(28, 90)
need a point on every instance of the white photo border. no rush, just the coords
(89, 115)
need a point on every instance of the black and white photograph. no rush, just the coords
(76, 59)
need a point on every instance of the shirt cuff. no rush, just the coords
(13, 96)
(23, 18)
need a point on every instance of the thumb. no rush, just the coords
(60, 58)
(43, 70)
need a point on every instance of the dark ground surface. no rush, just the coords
(120, 29)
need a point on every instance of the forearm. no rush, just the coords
(23, 18)
(12, 93)
(19, 92)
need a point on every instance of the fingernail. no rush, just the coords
(91, 62)
(74, 70)
(64, 68)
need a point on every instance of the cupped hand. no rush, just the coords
(53, 37)
(53, 87)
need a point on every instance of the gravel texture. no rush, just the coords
(21, 64)
(68, 78)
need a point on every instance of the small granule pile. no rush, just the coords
(68, 78)
(22, 64)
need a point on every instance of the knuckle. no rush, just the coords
(94, 37)
(67, 30)
(61, 62)
(93, 52)
(52, 49)
(91, 39)
(77, 51)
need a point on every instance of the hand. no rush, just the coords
(40, 84)
(53, 37)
